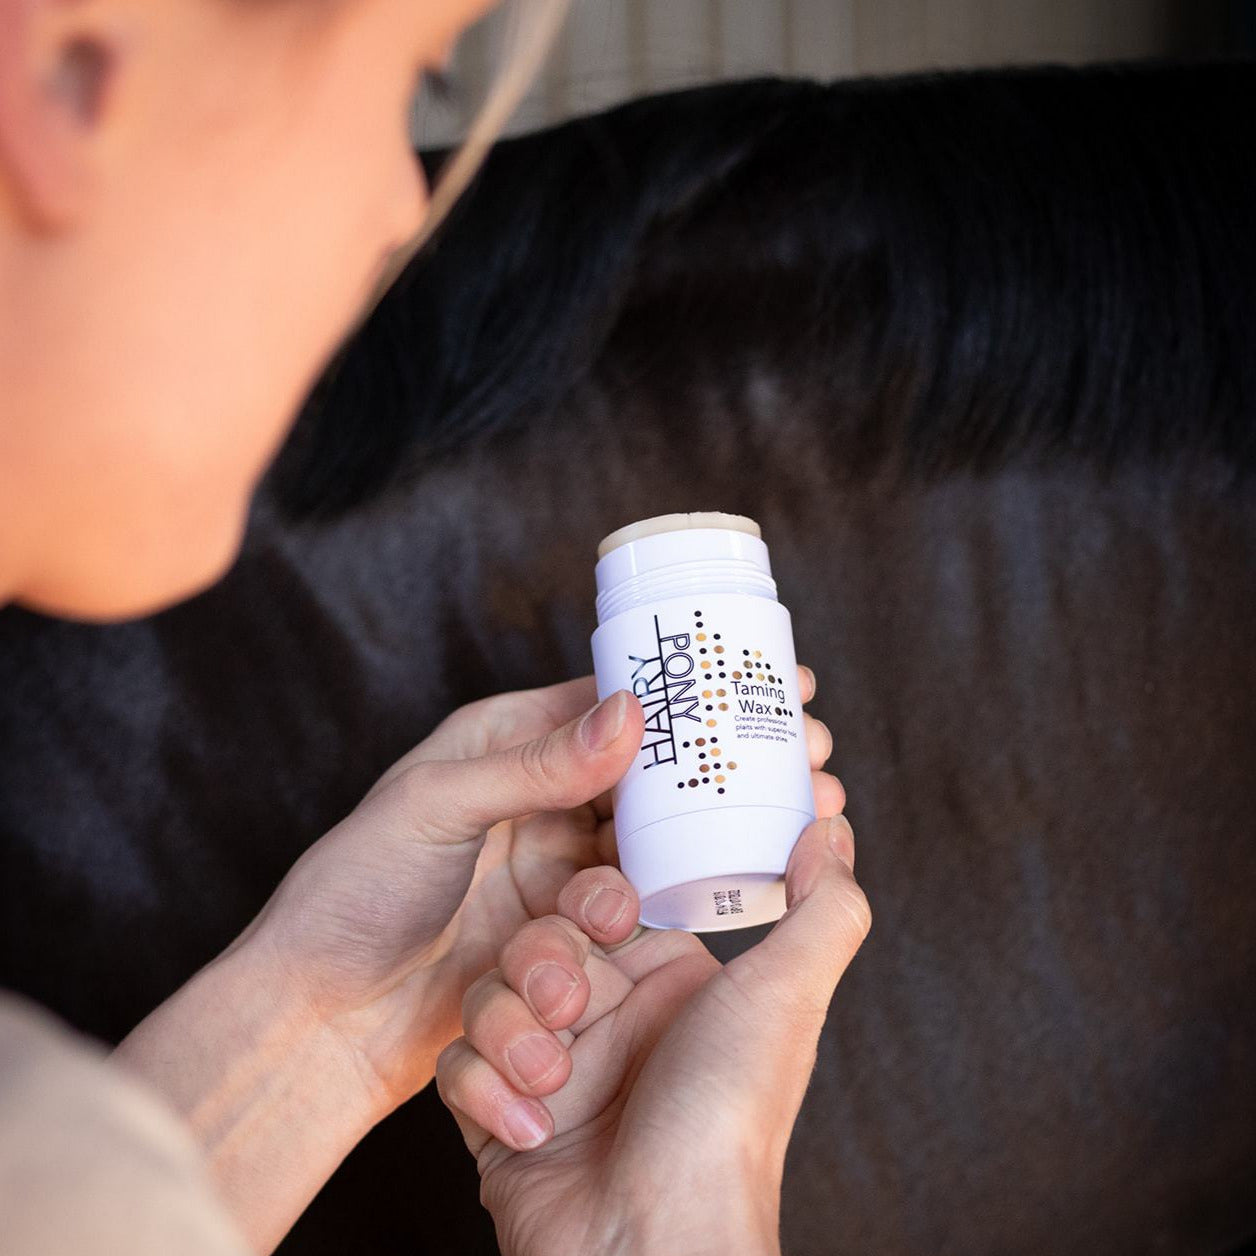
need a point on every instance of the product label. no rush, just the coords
(718, 683)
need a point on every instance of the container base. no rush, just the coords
(711, 870)
(716, 904)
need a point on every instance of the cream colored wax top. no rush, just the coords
(672, 523)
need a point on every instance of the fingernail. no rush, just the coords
(548, 988)
(524, 1124)
(605, 908)
(534, 1058)
(811, 674)
(602, 724)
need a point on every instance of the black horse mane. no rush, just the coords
(952, 270)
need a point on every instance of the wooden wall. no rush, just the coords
(614, 49)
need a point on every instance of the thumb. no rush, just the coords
(796, 968)
(456, 800)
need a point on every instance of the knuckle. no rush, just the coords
(467, 727)
(765, 997)
(856, 909)
(846, 906)
(522, 949)
(539, 938)
(477, 995)
(536, 762)
(758, 984)
(499, 711)
(414, 786)
(428, 799)
(805, 1013)
(863, 915)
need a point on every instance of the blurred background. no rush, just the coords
(612, 50)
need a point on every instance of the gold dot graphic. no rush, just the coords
(701, 741)
(702, 636)
(736, 675)
(731, 765)
(758, 654)
(710, 723)
(719, 649)
(706, 693)
(720, 693)
(704, 767)
(723, 706)
(719, 778)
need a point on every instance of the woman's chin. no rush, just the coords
(123, 589)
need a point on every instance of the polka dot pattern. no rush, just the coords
(752, 667)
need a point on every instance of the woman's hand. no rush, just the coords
(659, 1092)
(387, 920)
(333, 1005)
(382, 925)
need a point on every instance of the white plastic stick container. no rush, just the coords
(711, 807)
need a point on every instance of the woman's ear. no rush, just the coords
(57, 58)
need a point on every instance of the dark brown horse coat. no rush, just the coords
(977, 352)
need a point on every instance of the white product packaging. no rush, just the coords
(711, 807)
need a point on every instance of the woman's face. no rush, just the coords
(247, 175)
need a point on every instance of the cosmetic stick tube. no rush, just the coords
(720, 791)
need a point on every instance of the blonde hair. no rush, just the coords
(533, 32)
